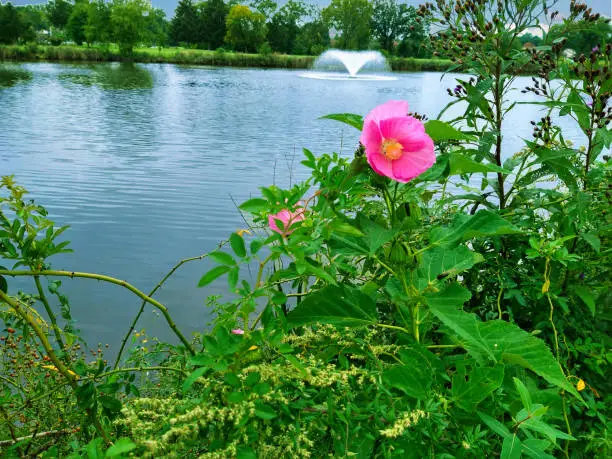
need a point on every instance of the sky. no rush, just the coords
(600, 6)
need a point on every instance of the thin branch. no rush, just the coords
(38, 435)
(144, 302)
(72, 274)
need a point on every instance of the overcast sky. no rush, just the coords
(600, 6)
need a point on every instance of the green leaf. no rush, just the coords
(265, 412)
(516, 346)
(416, 375)
(469, 389)
(347, 118)
(441, 131)
(339, 305)
(222, 258)
(254, 205)
(121, 446)
(587, 297)
(110, 403)
(523, 393)
(511, 448)
(483, 223)
(461, 164)
(193, 377)
(535, 448)
(496, 339)
(213, 274)
(232, 278)
(440, 263)
(3, 285)
(237, 244)
(592, 240)
(256, 244)
(444, 305)
(550, 432)
(494, 424)
(246, 452)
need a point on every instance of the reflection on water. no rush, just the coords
(147, 177)
(111, 76)
(11, 75)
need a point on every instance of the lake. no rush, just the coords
(144, 162)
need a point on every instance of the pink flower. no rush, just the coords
(287, 218)
(396, 144)
(238, 331)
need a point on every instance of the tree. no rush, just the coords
(582, 36)
(284, 28)
(11, 26)
(157, 28)
(58, 12)
(184, 27)
(390, 22)
(265, 7)
(351, 20)
(312, 39)
(75, 28)
(129, 23)
(246, 30)
(214, 14)
(416, 41)
(35, 17)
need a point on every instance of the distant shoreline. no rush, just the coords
(70, 53)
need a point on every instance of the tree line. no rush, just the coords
(260, 26)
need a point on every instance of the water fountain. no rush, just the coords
(335, 64)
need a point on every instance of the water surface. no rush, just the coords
(143, 162)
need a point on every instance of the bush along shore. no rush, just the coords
(68, 53)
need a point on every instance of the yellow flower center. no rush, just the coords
(392, 149)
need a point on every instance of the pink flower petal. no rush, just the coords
(408, 131)
(370, 137)
(238, 331)
(414, 163)
(381, 165)
(391, 109)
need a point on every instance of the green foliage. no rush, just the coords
(11, 25)
(461, 314)
(129, 23)
(351, 19)
(246, 30)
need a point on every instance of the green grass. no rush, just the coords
(33, 52)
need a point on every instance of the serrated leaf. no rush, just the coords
(496, 339)
(444, 262)
(592, 240)
(416, 374)
(213, 274)
(469, 389)
(338, 305)
(347, 118)
(483, 223)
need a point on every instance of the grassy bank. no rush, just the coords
(188, 56)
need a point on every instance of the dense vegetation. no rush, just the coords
(260, 26)
(389, 306)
